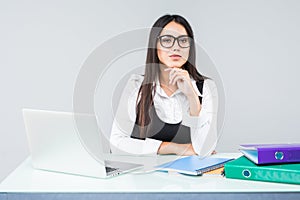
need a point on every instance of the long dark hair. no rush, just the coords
(152, 70)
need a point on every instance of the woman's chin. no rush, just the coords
(175, 66)
(172, 65)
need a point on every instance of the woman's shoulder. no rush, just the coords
(210, 87)
(208, 82)
(205, 81)
(203, 86)
(136, 77)
(135, 81)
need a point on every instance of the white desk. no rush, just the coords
(25, 181)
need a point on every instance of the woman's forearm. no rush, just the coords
(174, 148)
(167, 148)
(195, 106)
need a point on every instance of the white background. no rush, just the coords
(254, 45)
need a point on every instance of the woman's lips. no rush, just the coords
(175, 56)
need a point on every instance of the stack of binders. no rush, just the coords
(266, 162)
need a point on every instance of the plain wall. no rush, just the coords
(254, 45)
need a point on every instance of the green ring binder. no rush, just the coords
(243, 168)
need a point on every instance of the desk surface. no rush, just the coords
(27, 179)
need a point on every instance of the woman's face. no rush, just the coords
(176, 55)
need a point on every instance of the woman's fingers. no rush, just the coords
(172, 72)
(175, 73)
(178, 77)
(171, 76)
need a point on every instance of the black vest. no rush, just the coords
(159, 130)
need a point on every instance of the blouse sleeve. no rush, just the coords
(124, 120)
(204, 127)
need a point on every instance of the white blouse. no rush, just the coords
(170, 109)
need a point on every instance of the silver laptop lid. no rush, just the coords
(58, 141)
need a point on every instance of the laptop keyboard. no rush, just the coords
(110, 169)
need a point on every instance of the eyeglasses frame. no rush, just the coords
(175, 38)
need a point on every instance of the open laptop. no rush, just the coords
(69, 143)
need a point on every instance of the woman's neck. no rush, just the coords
(164, 77)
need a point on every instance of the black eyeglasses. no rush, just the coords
(168, 41)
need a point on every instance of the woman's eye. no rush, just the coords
(183, 40)
(166, 40)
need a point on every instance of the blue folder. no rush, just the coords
(193, 165)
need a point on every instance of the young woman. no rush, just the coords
(169, 109)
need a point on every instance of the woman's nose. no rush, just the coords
(176, 47)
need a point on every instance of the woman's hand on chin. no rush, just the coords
(182, 79)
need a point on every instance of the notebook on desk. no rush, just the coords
(193, 165)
